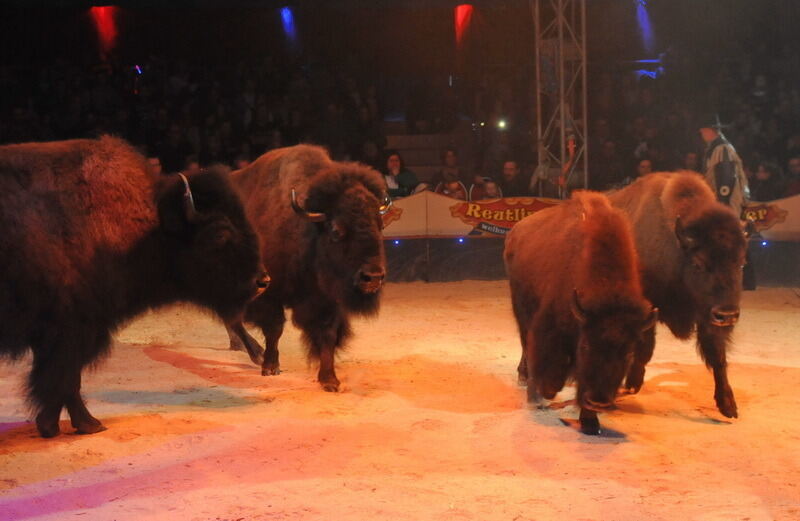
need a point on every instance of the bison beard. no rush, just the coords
(89, 240)
(320, 229)
(692, 250)
(588, 333)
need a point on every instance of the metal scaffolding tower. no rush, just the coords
(561, 124)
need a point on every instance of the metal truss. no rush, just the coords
(561, 124)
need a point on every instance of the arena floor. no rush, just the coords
(430, 425)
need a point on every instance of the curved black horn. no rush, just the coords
(385, 204)
(311, 216)
(577, 310)
(188, 201)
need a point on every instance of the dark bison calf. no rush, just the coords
(576, 295)
(89, 240)
(691, 250)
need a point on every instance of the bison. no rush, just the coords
(90, 239)
(691, 250)
(578, 302)
(320, 224)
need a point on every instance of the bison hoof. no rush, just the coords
(47, 428)
(89, 427)
(330, 387)
(590, 426)
(237, 345)
(727, 405)
(270, 369)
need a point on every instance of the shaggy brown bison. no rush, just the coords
(88, 240)
(320, 227)
(576, 295)
(691, 249)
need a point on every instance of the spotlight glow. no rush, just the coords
(396, 242)
(461, 240)
(289, 28)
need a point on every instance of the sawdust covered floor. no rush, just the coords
(430, 425)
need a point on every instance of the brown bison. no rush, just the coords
(691, 250)
(320, 227)
(88, 240)
(578, 302)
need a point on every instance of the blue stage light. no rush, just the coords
(396, 242)
(461, 240)
(764, 243)
(645, 28)
(289, 29)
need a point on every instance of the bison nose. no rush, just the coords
(724, 316)
(370, 280)
(262, 282)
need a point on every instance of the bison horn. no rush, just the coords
(652, 318)
(315, 217)
(188, 201)
(577, 310)
(385, 204)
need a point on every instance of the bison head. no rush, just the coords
(713, 247)
(607, 337)
(212, 249)
(345, 204)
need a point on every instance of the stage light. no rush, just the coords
(137, 69)
(645, 28)
(461, 240)
(501, 124)
(463, 16)
(289, 28)
(106, 26)
(396, 242)
(764, 244)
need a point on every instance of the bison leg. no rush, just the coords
(79, 415)
(522, 369)
(325, 330)
(712, 341)
(528, 363)
(272, 329)
(589, 423)
(240, 340)
(641, 356)
(45, 383)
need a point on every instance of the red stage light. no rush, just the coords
(463, 14)
(107, 32)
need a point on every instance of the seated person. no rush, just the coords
(767, 183)
(400, 181)
(487, 189)
(452, 187)
(512, 182)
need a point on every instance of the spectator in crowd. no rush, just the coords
(241, 161)
(793, 178)
(606, 171)
(191, 165)
(512, 182)
(450, 168)
(400, 181)
(451, 186)
(691, 161)
(643, 167)
(488, 189)
(767, 183)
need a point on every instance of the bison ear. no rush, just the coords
(686, 241)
